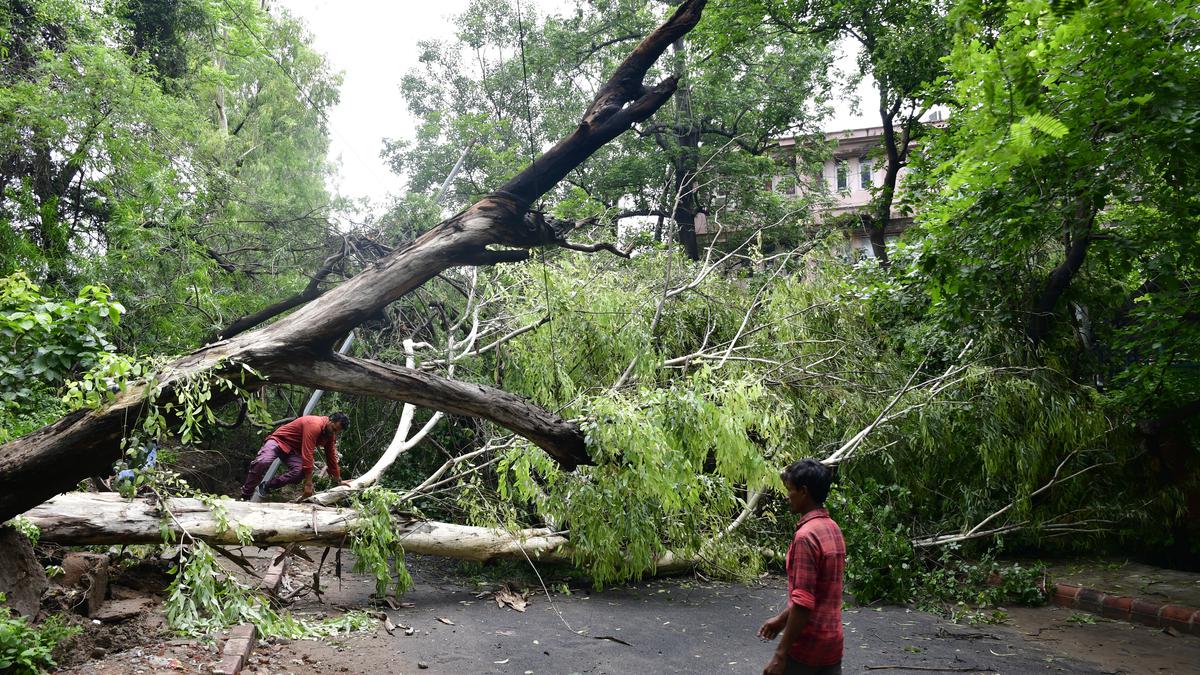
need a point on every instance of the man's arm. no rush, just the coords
(797, 619)
(774, 625)
(331, 462)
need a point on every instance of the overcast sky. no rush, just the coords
(373, 43)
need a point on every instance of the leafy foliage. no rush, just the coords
(27, 529)
(377, 548)
(881, 564)
(46, 341)
(29, 649)
(116, 170)
(204, 599)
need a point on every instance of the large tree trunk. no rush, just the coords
(1079, 238)
(297, 349)
(80, 518)
(83, 518)
(895, 153)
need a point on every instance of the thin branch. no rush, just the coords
(592, 248)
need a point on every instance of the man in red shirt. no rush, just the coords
(294, 443)
(811, 623)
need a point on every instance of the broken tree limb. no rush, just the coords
(82, 518)
(558, 437)
(85, 443)
(977, 532)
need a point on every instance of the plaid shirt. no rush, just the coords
(304, 434)
(815, 564)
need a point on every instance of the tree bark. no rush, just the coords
(1079, 240)
(687, 160)
(83, 518)
(297, 348)
(895, 152)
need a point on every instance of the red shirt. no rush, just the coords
(304, 434)
(815, 564)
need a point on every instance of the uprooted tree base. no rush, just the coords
(297, 348)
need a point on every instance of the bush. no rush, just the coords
(881, 565)
(25, 648)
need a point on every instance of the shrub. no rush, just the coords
(28, 649)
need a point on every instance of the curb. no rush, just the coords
(236, 653)
(1184, 619)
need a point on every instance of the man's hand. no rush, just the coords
(344, 483)
(772, 626)
(776, 666)
(308, 490)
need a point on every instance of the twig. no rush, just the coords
(934, 668)
(236, 559)
(849, 446)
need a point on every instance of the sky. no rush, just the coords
(374, 43)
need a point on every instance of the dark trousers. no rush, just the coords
(292, 465)
(794, 667)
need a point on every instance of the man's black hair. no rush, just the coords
(811, 474)
(340, 417)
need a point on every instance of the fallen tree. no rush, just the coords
(83, 518)
(297, 349)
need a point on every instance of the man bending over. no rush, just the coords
(293, 443)
(811, 623)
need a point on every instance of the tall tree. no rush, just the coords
(708, 153)
(297, 348)
(1060, 202)
(113, 167)
(901, 43)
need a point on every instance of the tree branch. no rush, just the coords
(622, 102)
(561, 439)
(592, 248)
(311, 291)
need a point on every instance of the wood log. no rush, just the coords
(80, 518)
(107, 518)
(297, 349)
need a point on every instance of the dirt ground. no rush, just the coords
(676, 625)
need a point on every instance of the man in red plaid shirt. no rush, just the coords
(811, 623)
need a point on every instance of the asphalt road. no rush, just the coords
(661, 626)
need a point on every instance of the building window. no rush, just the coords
(864, 174)
(843, 173)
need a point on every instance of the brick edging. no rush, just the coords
(274, 576)
(1127, 608)
(236, 654)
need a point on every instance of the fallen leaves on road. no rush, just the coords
(507, 595)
